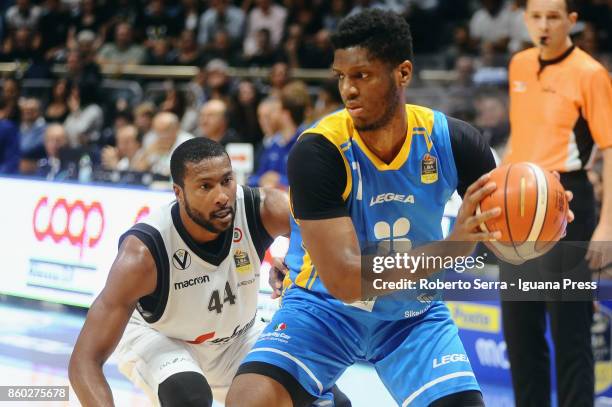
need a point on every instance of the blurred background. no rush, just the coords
(96, 94)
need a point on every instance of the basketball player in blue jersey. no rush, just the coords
(377, 170)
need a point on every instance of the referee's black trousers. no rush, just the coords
(524, 322)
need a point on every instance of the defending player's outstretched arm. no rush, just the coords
(275, 211)
(132, 276)
(335, 252)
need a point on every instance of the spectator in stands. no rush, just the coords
(338, 10)
(293, 48)
(159, 52)
(491, 25)
(588, 40)
(272, 170)
(279, 77)
(54, 25)
(57, 109)
(265, 15)
(492, 120)
(156, 156)
(188, 52)
(461, 93)
(31, 130)
(121, 119)
(221, 48)
(85, 120)
(88, 18)
(307, 15)
(22, 15)
(125, 11)
(218, 82)
(87, 44)
(243, 113)
(221, 15)
(213, 123)
(22, 45)
(268, 114)
(519, 36)
(157, 24)
(11, 90)
(54, 140)
(9, 142)
(122, 50)
(126, 152)
(189, 15)
(328, 100)
(462, 44)
(79, 70)
(175, 101)
(318, 53)
(263, 54)
(143, 120)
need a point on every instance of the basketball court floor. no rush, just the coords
(36, 341)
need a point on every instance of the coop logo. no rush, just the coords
(77, 223)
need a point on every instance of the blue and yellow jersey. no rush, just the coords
(400, 201)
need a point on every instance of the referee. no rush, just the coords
(560, 111)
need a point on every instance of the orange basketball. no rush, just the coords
(533, 212)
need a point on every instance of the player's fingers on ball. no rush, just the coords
(570, 216)
(478, 183)
(476, 220)
(482, 192)
(569, 195)
(557, 175)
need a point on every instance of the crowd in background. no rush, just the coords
(74, 125)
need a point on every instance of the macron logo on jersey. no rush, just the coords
(390, 197)
(192, 281)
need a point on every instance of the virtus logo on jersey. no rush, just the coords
(81, 224)
(181, 259)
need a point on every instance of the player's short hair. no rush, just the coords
(384, 34)
(193, 151)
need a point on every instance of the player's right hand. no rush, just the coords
(467, 223)
(276, 276)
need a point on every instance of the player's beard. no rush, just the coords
(393, 100)
(199, 218)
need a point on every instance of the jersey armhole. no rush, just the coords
(252, 205)
(152, 306)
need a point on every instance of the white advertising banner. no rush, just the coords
(58, 240)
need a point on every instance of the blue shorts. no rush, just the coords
(419, 359)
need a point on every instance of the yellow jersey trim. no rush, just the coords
(305, 271)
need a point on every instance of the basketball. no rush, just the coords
(533, 215)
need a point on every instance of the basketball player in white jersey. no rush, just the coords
(181, 297)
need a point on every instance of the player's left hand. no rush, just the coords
(599, 254)
(276, 276)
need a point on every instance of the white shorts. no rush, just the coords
(147, 358)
